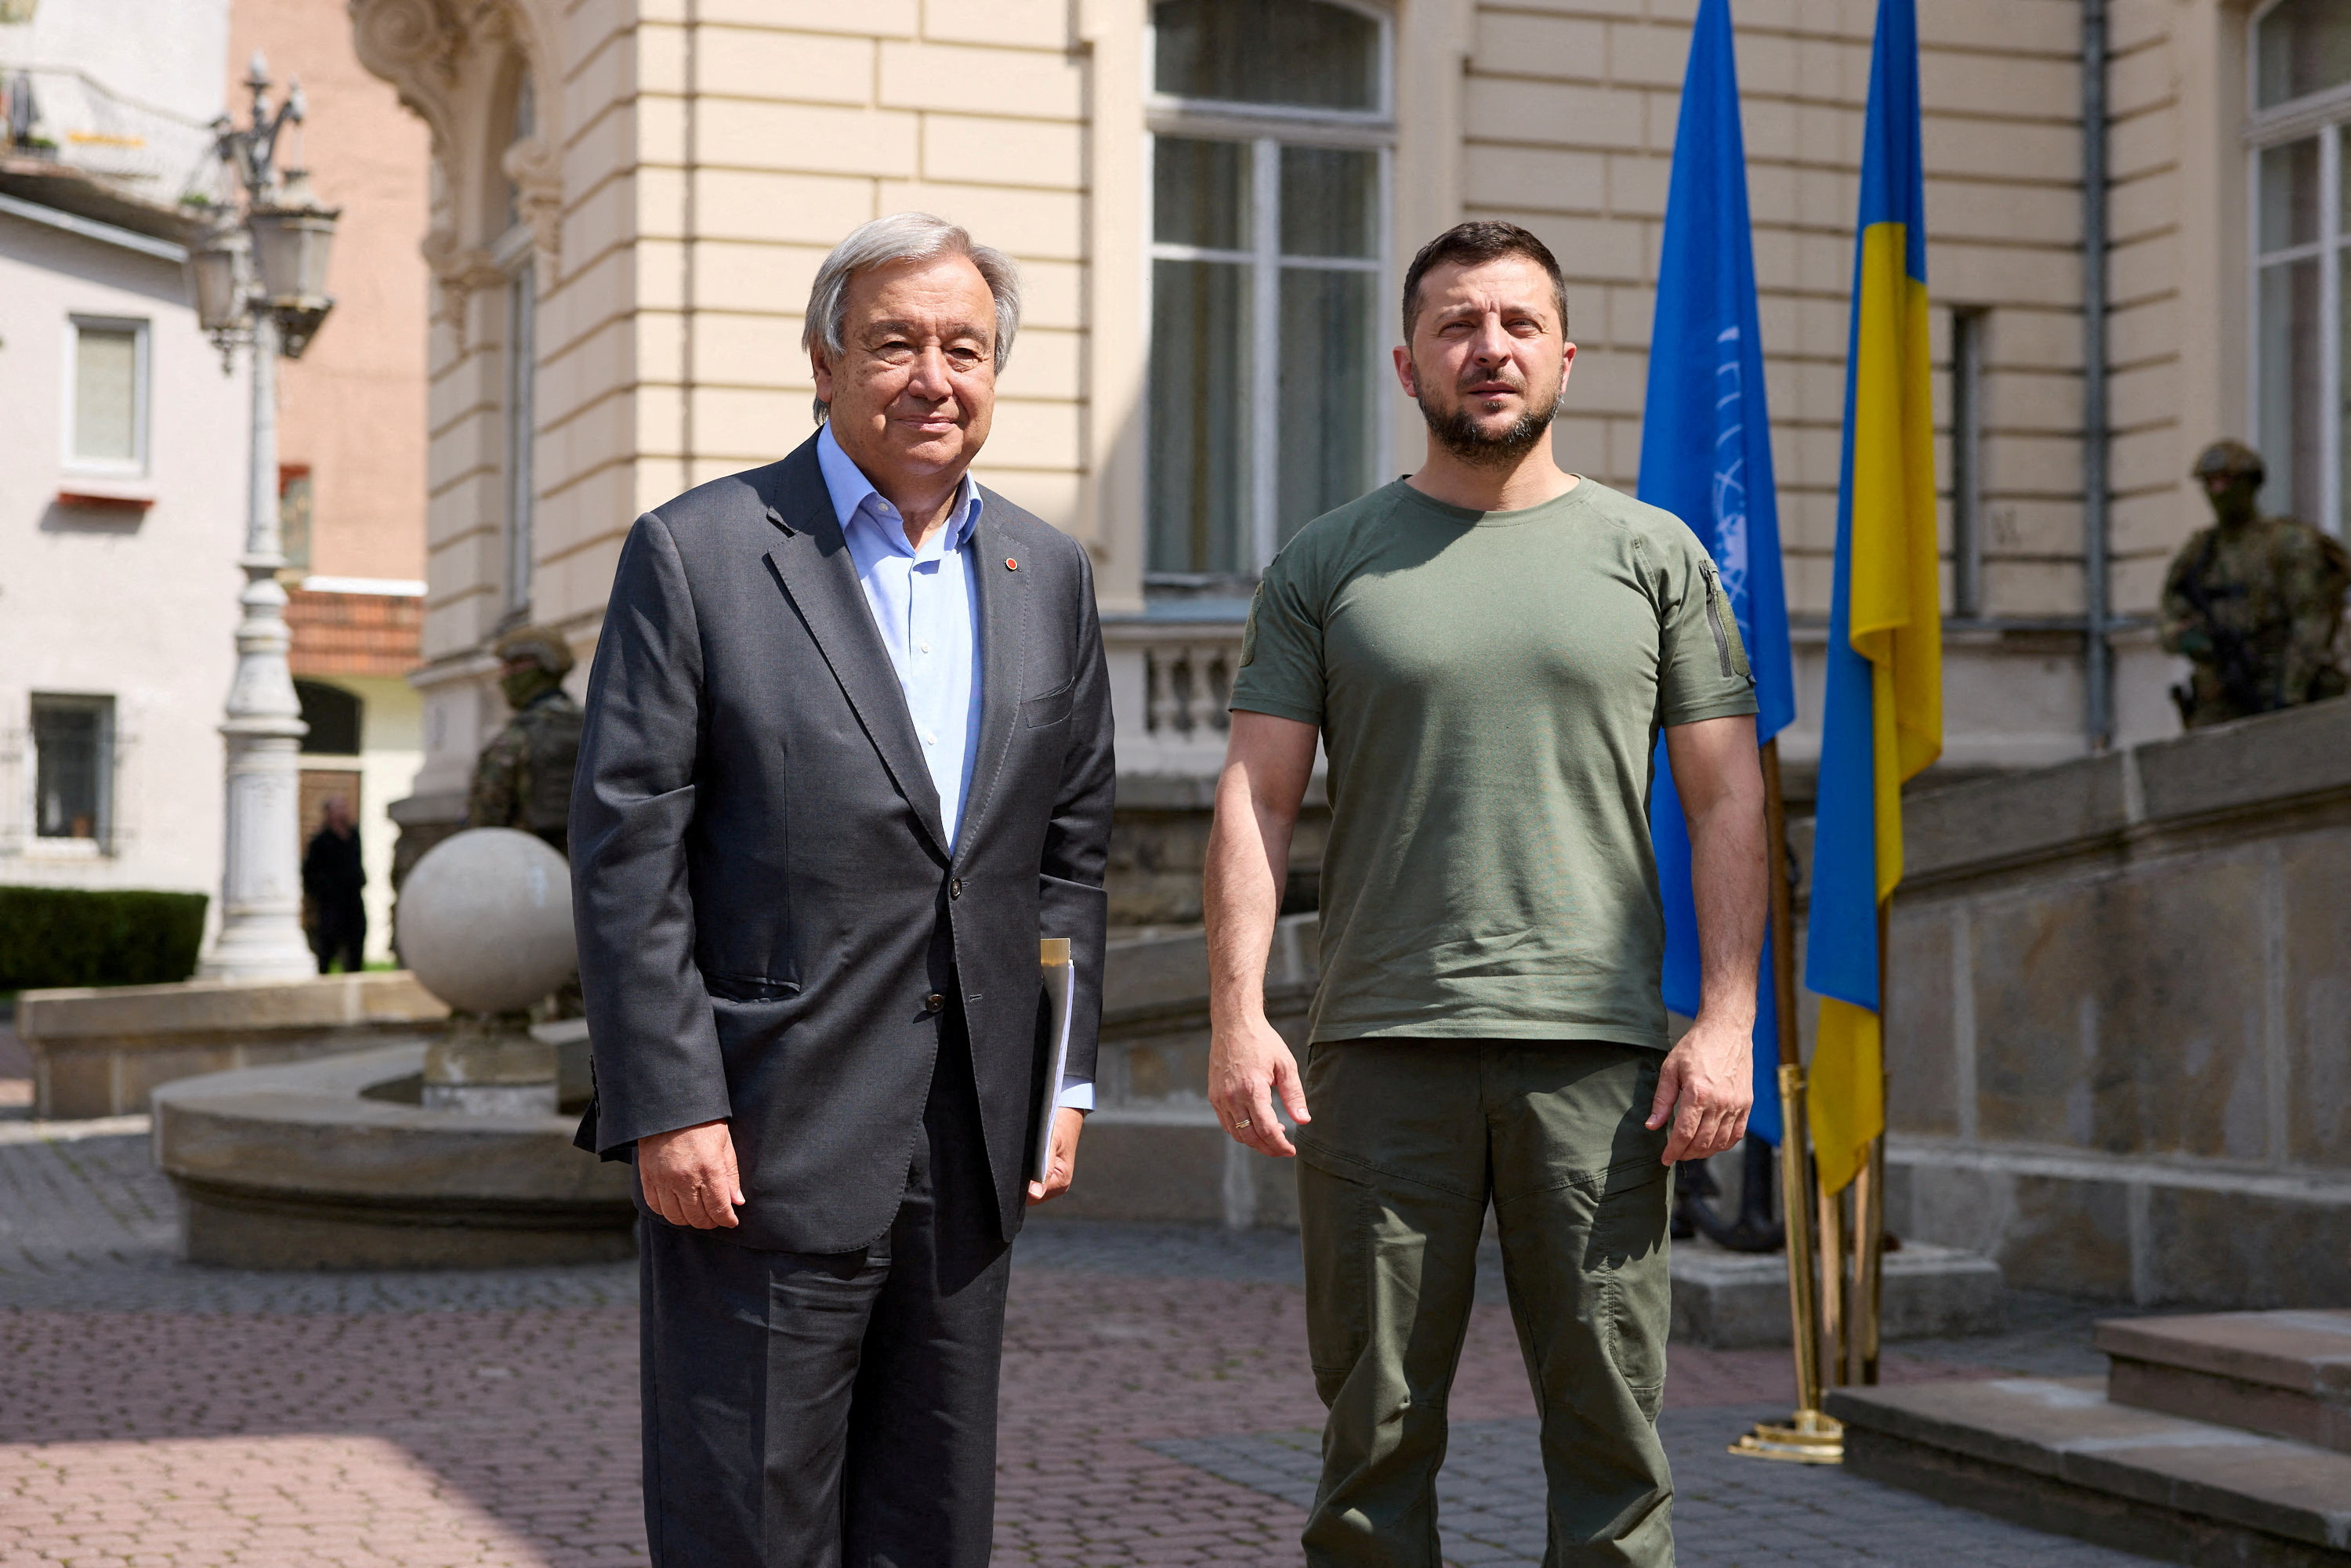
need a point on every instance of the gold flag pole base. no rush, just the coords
(1808, 1438)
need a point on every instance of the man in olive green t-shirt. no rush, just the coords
(1488, 651)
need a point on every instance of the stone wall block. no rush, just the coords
(2067, 1235)
(1952, 1207)
(2208, 1248)
(758, 63)
(810, 137)
(801, 209)
(2180, 1066)
(2037, 1002)
(1027, 223)
(876, 18)
(1997, 148)
(1030, 83)
(2317, 1025)
(2248, 763)
(1503, 108)
(2047, 1233)
(1971, 825)
(994, 150)
(1921, 1071)
(1553, 179)
(2009, 25)
(1566, 49)
(1040, 24)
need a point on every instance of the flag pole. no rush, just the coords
(1869, 1206)
(1809, 1437)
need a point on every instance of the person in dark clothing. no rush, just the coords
(331, 879)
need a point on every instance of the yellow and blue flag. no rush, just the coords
(1882, 719)
(1706, 456)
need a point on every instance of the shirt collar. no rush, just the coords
(853, 494)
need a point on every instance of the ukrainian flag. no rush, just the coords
(1883, 720)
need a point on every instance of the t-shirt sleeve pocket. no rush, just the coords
(1704, 673)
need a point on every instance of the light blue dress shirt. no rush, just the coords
(926, 602)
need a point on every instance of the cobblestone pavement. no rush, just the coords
(1729, 1512)
(1156, 1406)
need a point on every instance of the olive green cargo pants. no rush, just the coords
(1410, 1140)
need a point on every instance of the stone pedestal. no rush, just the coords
(488, 1064)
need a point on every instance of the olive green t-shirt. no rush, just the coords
(1489, 687)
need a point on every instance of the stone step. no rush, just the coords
(2058, 1455)
(1736, 1300)
(2287, 1373)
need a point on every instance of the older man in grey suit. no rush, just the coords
(847, 757)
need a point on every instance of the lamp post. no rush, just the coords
(261, 281)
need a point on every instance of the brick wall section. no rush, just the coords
(353, 634)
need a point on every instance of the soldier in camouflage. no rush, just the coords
(524, 777)
(2254, 601)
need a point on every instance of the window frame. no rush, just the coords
(2327, 116)
(1265, 129)
(142, 395)
(518, 421)
(1971, 327)
(101, 839)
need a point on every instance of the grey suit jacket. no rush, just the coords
(771, 920)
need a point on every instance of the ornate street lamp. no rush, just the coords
(262, 282)
(218, 277)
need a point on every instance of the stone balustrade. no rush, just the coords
(1170, 680)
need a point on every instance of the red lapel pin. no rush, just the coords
(1011, 564)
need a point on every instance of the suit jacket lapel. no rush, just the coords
(1003, 629)
(812, 560)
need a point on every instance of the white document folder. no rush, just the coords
(1059, 970)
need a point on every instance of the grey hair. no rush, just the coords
(885, 242)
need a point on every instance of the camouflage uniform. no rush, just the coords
(524, 777)
(2254, 601)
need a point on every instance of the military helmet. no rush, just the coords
(2231, 460)
(547, 649)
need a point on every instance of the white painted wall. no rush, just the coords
(142, 607)
(126, 88)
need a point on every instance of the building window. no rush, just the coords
(1271, 129)
(522, 322)
(1967, 324)
(520, 395)
(109, 429)
(73, 750)
(333, 715)
(294, 516)
(2301, 96)
(518, 382)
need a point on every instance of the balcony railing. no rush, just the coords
(1170, 681)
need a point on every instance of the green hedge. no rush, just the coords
(64, 936)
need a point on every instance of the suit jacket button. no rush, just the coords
(954, 888)
(933, 1002)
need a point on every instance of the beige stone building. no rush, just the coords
(1212, 200)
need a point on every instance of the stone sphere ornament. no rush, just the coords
(486, 920)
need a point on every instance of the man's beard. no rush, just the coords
(1458, 433)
